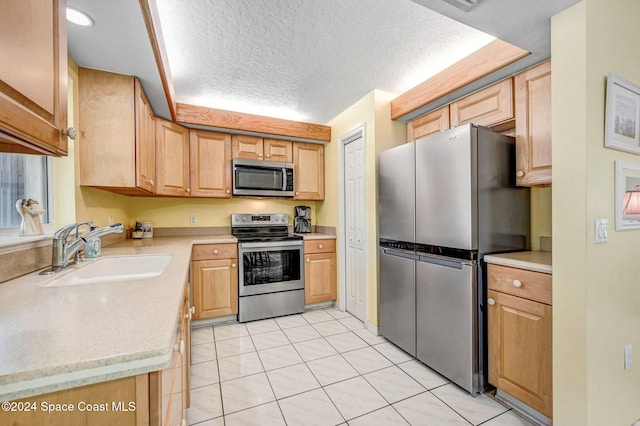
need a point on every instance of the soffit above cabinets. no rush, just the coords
(277, 58)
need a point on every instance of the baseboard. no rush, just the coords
(524, 410)
(213, 321)
(372, 328)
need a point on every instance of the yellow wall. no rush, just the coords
(176, 212)
(540, 215)
(596, 290)
(373, 110)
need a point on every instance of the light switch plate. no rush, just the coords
(628, 357)
(602, 231)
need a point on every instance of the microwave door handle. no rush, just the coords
(284, 178)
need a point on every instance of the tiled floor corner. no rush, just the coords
(322, 367)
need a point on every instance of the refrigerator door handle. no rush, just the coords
(447, 262)
(399, 254)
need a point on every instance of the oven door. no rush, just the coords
(268, 267)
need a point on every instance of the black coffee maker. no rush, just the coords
(302, 220)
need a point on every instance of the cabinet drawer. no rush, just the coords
(520, 282)
(319, 246)
(214, 251)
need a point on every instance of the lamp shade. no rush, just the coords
(632, 202)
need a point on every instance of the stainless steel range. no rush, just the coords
(271, 273)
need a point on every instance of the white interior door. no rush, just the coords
(355, 228)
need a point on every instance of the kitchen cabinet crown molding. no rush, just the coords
(223, 119)
(481, 63)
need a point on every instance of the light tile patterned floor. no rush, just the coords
(322, 368)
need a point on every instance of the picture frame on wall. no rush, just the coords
(627, 195)
(622, 116)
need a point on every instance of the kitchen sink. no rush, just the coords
(113, 268)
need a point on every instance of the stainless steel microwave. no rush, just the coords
(262, 178)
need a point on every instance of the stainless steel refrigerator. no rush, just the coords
(445, 201)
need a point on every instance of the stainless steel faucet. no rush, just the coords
(63, 249)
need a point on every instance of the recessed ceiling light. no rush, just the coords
(78, 18)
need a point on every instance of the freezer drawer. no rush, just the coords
(397, 299)
(447, 325)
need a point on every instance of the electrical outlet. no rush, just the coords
(193, 220)
(628, 359)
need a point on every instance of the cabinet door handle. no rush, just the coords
(215, 251)
(308, 260)
(320, 246)
(193, 309)
(188, 190)
(259, 155)
(517, 283)
(233, 265)
(297, 193)
(71, 133)
(181, 346)
(228, 191)
(151, 182)
(519, 173)
(491, 302)
(268, 155)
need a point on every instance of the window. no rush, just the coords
(23, 176)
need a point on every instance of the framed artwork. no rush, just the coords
(622, 117)
(627, 195)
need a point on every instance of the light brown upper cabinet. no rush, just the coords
(433, 122)
(210, 158)
(265, 149)
(308, 163)
(487, 107)
(117, 134)
(33, 77)
(533, 126)
(172, 159)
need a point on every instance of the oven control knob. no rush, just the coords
(244, 219)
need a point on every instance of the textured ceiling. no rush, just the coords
(303, 60)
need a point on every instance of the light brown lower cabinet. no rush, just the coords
(156, 398)
(319, 271)
(520, 335)
(215, 280)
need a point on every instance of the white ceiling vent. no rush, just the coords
(465, 5)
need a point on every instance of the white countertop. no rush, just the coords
(316, 236)
(538, 261)
(54, 338)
